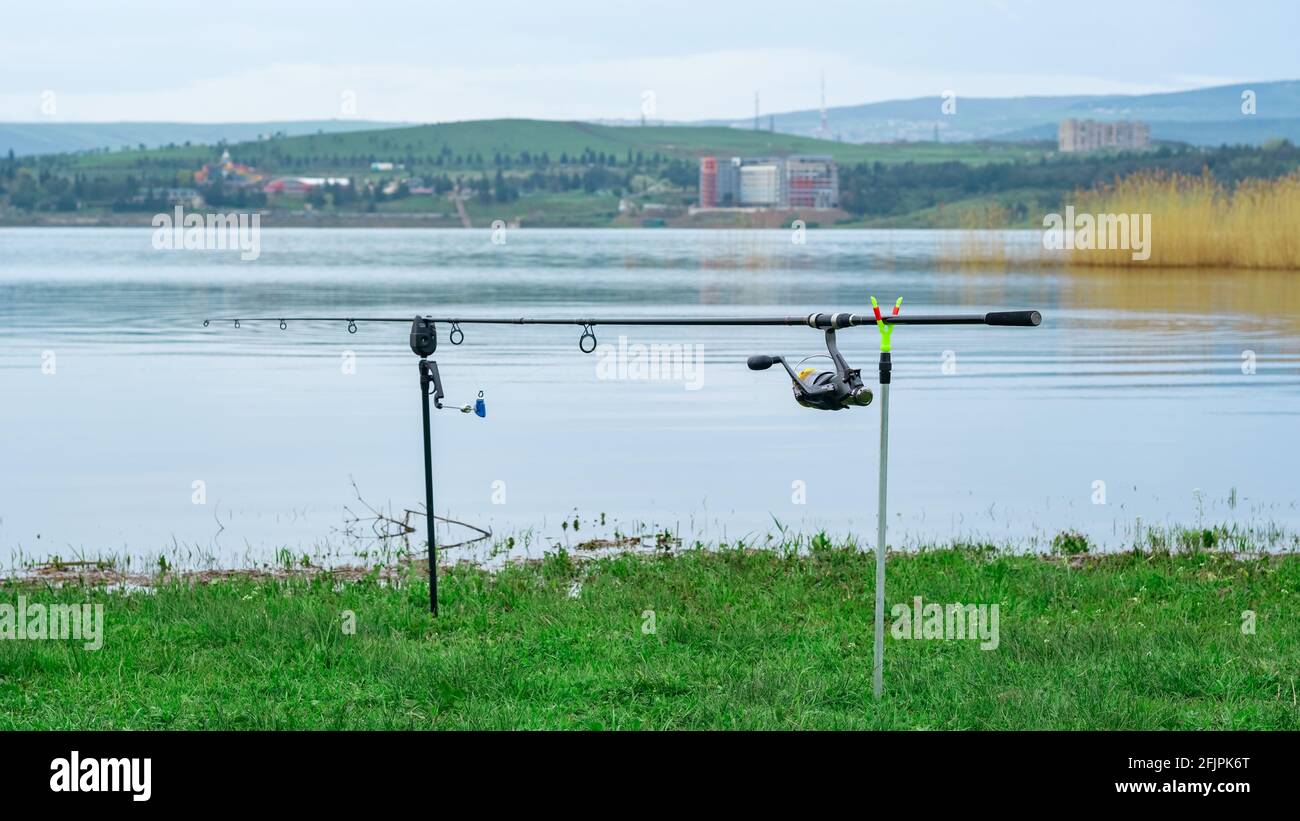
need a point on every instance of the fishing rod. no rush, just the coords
(833, 390)
(818, 320)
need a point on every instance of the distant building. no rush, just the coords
(812, 182)
(230, 173)
(708, 182)
(301, 185)
(760, 184)
(729, 183)
(1090, 135)
(188, 197)
(799, 181)
(286, 185)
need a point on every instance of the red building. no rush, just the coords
(812, 182)
(302, 185)
(287, 185)
(708, 182)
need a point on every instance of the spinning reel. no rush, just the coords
(822, 390)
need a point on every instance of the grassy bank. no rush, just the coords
(738, 639)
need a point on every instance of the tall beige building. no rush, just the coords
(1090, 135)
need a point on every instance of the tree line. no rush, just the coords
(881, 189)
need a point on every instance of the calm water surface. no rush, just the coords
(115, 400)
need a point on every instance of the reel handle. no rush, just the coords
(1023, 319)
(758, 362)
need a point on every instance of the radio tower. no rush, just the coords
(825, 126)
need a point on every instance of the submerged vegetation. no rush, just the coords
(1178, 634)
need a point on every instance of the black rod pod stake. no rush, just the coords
(429, 374)
(424, 341)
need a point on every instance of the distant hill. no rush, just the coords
(511, 137)
(479, 144)
(1206, 116)
(58, 138)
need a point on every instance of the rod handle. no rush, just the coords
(1025, 319)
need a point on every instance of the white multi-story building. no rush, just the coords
(760, 184)
(1090, 135)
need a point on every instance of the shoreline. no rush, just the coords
(770, 220)
(103, 574)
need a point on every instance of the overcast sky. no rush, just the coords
(235, 60)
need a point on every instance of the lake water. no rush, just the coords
(115, 400)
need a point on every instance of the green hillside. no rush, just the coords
(489, 143)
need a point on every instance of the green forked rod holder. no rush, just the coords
(886, 367)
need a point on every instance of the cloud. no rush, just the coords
(717, 84)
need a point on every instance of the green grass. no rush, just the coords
(570, 209)
(743, 640)
(1015, 208)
